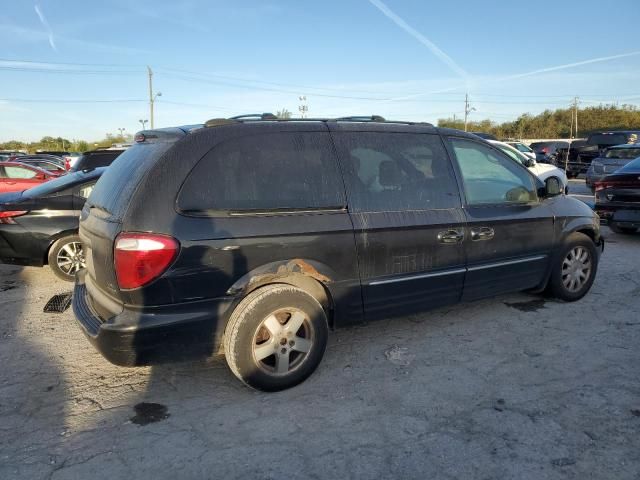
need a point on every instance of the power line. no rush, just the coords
(29, 100)
(231, 81)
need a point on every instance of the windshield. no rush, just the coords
(61, 183)
(624, 153)
(608, 139)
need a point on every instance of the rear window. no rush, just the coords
(624, 153)
(95, 160)
(608, 139)
(277, 171)
(116, 186)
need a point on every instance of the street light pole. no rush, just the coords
(121, 130)
(143, 122)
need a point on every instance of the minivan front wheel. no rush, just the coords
(276, 337)
(575, 268)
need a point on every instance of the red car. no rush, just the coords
(16, 177)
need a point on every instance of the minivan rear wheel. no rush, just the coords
(575, 268)
(276, 337)
(66, 257)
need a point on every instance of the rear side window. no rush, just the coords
(396, 171)
(276, 171)
(19, 172)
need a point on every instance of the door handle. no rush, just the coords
(451, 236)
(482, 233)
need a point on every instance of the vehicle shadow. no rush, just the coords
(33, 386)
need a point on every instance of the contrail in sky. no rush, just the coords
(421, 38)
(47, 27)
(527, 74)
(570, 65)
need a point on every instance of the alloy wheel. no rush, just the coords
(70, 258)
(283, 341)
(576, 268)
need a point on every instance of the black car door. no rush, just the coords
(407, 216)
(510, 232)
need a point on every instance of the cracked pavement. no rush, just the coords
(516, 387)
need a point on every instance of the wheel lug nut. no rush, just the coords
(283, 351)
(292, 343)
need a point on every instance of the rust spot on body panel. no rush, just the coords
(300, 266)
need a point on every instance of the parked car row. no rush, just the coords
(576, 156)
(40, 204)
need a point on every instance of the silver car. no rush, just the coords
(611, 160)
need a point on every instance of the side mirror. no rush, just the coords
(529, 162)
(552, 187)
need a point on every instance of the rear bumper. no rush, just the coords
(152, 335)
(624, 217)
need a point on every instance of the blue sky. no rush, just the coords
(405, 59)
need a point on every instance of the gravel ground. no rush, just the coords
(517, 387)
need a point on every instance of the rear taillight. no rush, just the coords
(600, 186)
(142, 257)
(7, 218)
(545, 150)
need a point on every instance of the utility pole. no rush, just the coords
(576, 100)
(467, 110)
(303, 107)
(152, 96)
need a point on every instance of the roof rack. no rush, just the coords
(256, 116)
(270, 117)
(361, 118)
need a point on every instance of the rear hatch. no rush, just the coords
(103, 213)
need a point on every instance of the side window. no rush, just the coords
(397, 171)
(491, 178)
(86, 190)
(285, 171)
(19, 172)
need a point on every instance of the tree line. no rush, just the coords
(556, 123)
(548, 124)
(61, 144)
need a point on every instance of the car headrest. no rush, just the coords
(389, 174)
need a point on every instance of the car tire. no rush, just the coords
(262, 346)
(614, 227)
(66, 257)
(575, 268)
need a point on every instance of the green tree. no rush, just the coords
(283, 114)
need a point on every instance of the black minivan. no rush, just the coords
(259, 236)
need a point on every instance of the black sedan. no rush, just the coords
(39, 226)
(618, 198)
